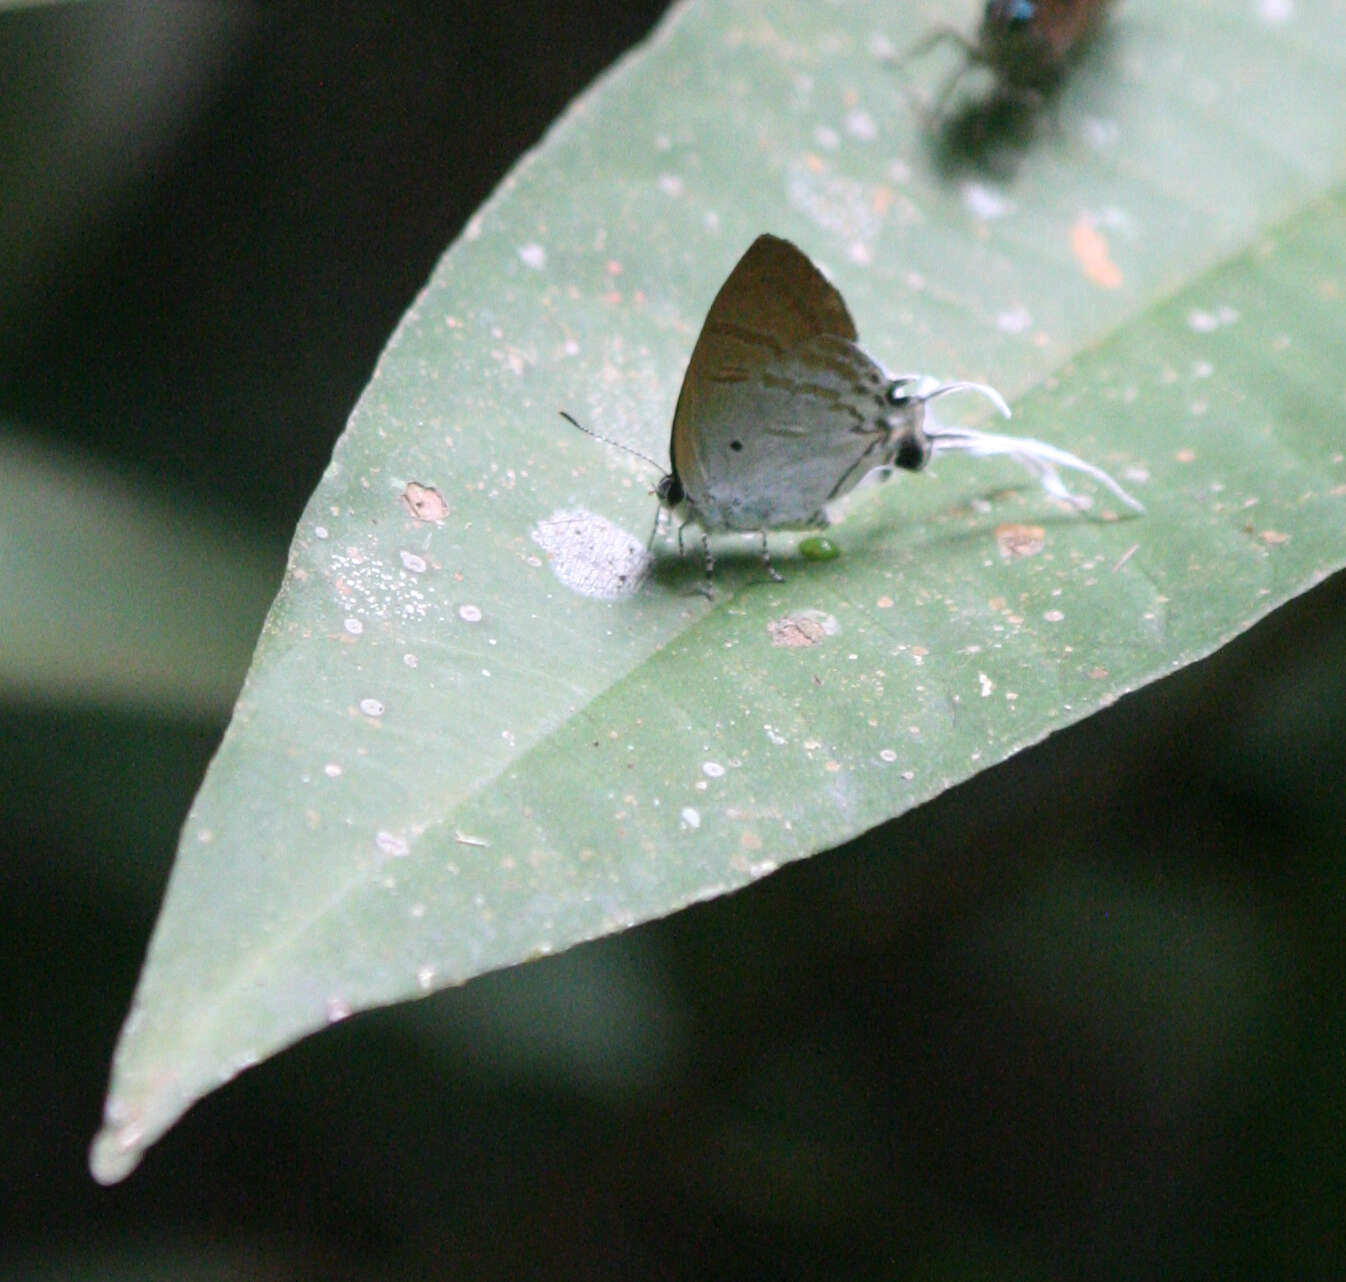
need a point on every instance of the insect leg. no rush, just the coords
(972, 53)
(771, 570)
(708, 588)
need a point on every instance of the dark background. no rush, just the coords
(1081, 1017)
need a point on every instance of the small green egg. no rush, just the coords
(818, 548)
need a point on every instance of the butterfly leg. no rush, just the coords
(708, 588)
(771, 570)
(654, 533)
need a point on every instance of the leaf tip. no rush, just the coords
(115, 1152)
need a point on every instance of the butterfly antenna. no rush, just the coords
(989, 392)
(1038, 457)
(607, 440)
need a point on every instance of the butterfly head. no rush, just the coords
(908, 443)
(670, 490)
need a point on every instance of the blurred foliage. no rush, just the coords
(1102, 1034)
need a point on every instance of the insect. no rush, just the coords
(1027, 45)
(782, 413)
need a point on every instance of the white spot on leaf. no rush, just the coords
(985, 202)
(592, 556)
(391, 844)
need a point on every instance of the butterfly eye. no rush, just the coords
(1021, 13)
(670, 490)
(736, 446)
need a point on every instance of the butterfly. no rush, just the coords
(782, 413)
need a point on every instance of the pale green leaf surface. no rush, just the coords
(445, 761)
(119, 594)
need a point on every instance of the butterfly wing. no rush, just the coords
(796, 434)
(773, 301)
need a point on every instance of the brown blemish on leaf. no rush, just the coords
(1090, 248)
(424, 502)
(1014, 539)
(802, 628)
(1125, 557)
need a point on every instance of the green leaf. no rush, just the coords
(445, 760)
(74, 538)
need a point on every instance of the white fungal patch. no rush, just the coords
(414, 563)
(1100, 132)
(533, 255)
(690, 817)
(860, 124)
(1014, 320)
(372, 707)
(1275, 13)
(354, 627)
(391, 844)
(470, 613)
(592, 556)
(712, 769)
(985, 202)
(1203, 321)
(375, 588)
(670, 184)
(842, 206)
(985, 684)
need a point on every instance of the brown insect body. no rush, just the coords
(1029, 43)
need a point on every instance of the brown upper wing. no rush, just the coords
(774, 299)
